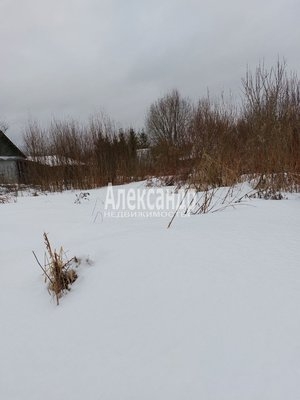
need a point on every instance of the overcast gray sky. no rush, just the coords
(72, 58)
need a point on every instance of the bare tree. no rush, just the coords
(271, 93)
(168, 119)
(36, 141)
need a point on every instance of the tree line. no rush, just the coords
(212, 141)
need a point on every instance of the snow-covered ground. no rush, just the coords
(208, 309)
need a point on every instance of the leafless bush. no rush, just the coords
(274, 186)
(270, 121)
(69, 155)
(211, 144)
(222, 143)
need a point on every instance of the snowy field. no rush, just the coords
(206, 310)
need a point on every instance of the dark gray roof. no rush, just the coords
(8, 149)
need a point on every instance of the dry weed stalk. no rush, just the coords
(58, 271)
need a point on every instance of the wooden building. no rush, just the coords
(12, 161)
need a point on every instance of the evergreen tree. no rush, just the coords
(143, 140)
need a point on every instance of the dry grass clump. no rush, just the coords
(58, 270)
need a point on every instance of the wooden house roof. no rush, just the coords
(8, 148)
